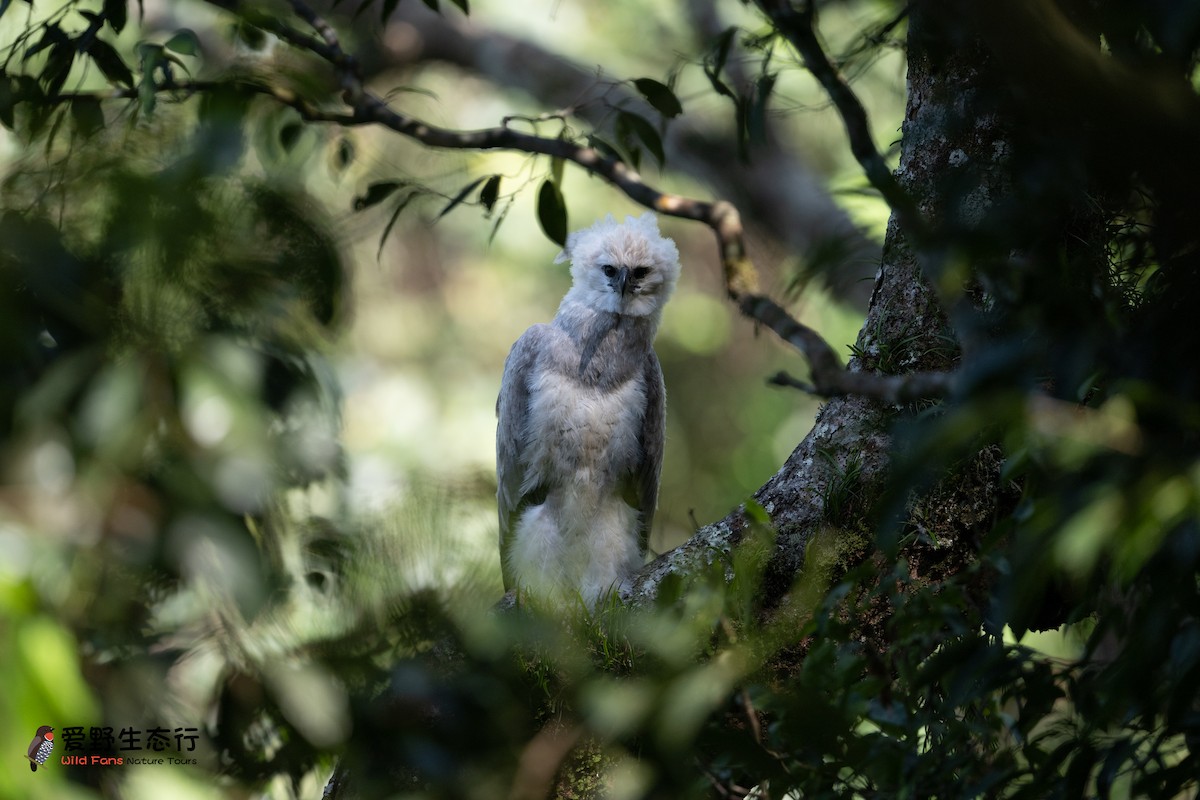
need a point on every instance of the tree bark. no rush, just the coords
(953, 136)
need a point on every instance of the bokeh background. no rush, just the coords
(142, 431)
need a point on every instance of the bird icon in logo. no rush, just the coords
(40, 747)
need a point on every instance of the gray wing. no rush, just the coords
(512, 412)
(654, 433)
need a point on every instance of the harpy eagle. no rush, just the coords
(579, 442)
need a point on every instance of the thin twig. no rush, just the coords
(796, 25)
(783, 378)
(752, 717)
(829, 377)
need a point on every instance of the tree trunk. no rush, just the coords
(953, 163)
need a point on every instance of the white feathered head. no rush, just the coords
(623, 267)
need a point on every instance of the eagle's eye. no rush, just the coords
(610, 271)
(640, 273)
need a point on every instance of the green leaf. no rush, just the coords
(757, 513)
(714, 65)
(552, 213)
(604, 147)
(88, 115)
(490, 192)
(756, 113)
(458, 198)
(58, 66)
(376, 193)
(4, 6)
(169, 59)
(53, 35)
(631, 125)
(433, 4)
(117, 14)
(462, 5)
(8, 101)
(660, 96)
(185, 42)
(151, 55)
(110, 63)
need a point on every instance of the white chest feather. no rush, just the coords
(581, 435)
(580, 442)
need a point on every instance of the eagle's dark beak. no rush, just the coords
(622, 281)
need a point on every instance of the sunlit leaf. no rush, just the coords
(660, 96)
(552, 213)
(756, 513)
(151, 55)
(50, 657)
(185, 42)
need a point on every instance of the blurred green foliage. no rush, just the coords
(245, 493)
